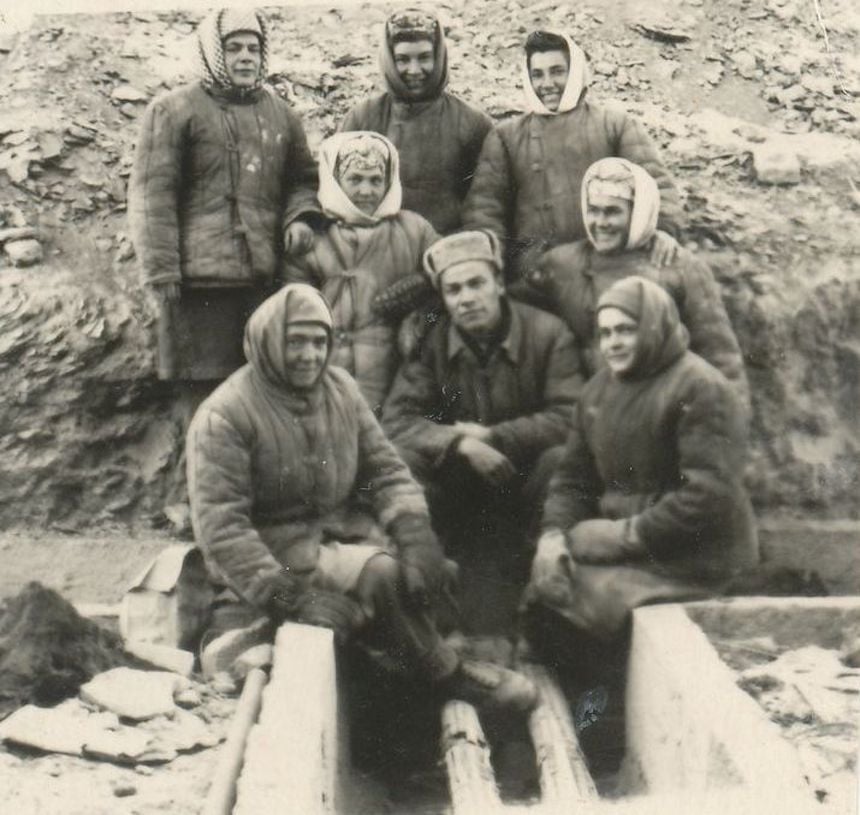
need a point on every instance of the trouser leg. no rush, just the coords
(407, 635)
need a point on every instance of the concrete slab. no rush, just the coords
(690, 729)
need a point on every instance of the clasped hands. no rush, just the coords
(490, 464)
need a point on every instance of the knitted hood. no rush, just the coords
(413, 21)
(335, 202)
(266, 330)
(661, 337)
(211, 33)
(646, 196)
(578, 79)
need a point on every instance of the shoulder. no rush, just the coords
(572, 256)
(367, 110)
(464, 109)
(411, 221)
(228, 406)
(340, 382)
(537, 322)
(696, 379)
(181, 99)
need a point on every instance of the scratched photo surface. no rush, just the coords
(747, 705)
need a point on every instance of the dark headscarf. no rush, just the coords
(661, 337)
(413, 25)
(266, 331)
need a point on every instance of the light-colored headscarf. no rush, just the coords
(212, 32)
(578, 79)
(661, 336)
(266, 330)
(358, 146)
(624, 179)
(411, 25)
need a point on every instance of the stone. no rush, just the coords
(605, 68)
(751, 133)
(223, 683)
(170, 659)
(260, 656)
(23, 252)
(788, 96)
(790, 64)
(125, 745)
(128, 93)
(775, 164)
(132, 694)
(190, 697)
(817, 84)
(180, 733)
(17, 233)
(124, 789)
(745, 64)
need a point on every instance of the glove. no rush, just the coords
(422, 561)
(279, 595)
(493, 466)
(298, 238)
(329, 609)
(551, 567)
(603, 541)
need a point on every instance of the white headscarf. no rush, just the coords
(335, 202)
(624, 179)
(578, 79)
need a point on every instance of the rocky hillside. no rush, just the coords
(755, 105)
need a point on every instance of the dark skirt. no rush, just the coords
(200, 336)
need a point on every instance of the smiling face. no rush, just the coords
(472, 292)
(608, 220)
(243, 58)
(365, 187)
(548, 72)
(618, 334)
(414, 63)
(305, 353)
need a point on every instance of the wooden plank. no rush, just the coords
(564, 776)
(467, 758)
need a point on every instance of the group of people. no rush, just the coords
(439, 323)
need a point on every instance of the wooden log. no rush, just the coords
(222, 793)
(467, 758)
(564, 775)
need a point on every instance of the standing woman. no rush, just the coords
(222, 181)
(437, 135)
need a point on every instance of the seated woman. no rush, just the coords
(648, 504)
(621, 204)
(369, 245)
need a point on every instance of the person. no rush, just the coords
(529, 174)
(276, 456)
(646, 506)
(480, 409)
(621, 202)
(222, 180)
(369, 245)
(437, 134)
(648, 503)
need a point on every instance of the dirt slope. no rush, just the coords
(87, 434)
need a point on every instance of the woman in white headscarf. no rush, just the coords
(369, 245)
(528, 179)
(621, 202)
(222, 179)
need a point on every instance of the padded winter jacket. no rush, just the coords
(274, 472)
(570, 278)
(527, 185)
(438, 140)
(525, 391)
(214, 183)
(351, 265)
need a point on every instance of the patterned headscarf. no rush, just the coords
(351, 147)
(212, 32)
(624, 179)
(411, 25)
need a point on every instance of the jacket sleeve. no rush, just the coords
(302, 179)
(490, 200)
(299, 268)
(355, 119)
(219, 488)
(524, 438)
(154, 195)
(707, 438)
(634, 144)
(575, 488)
(394, 491)
(711, 333)
(410, 412)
